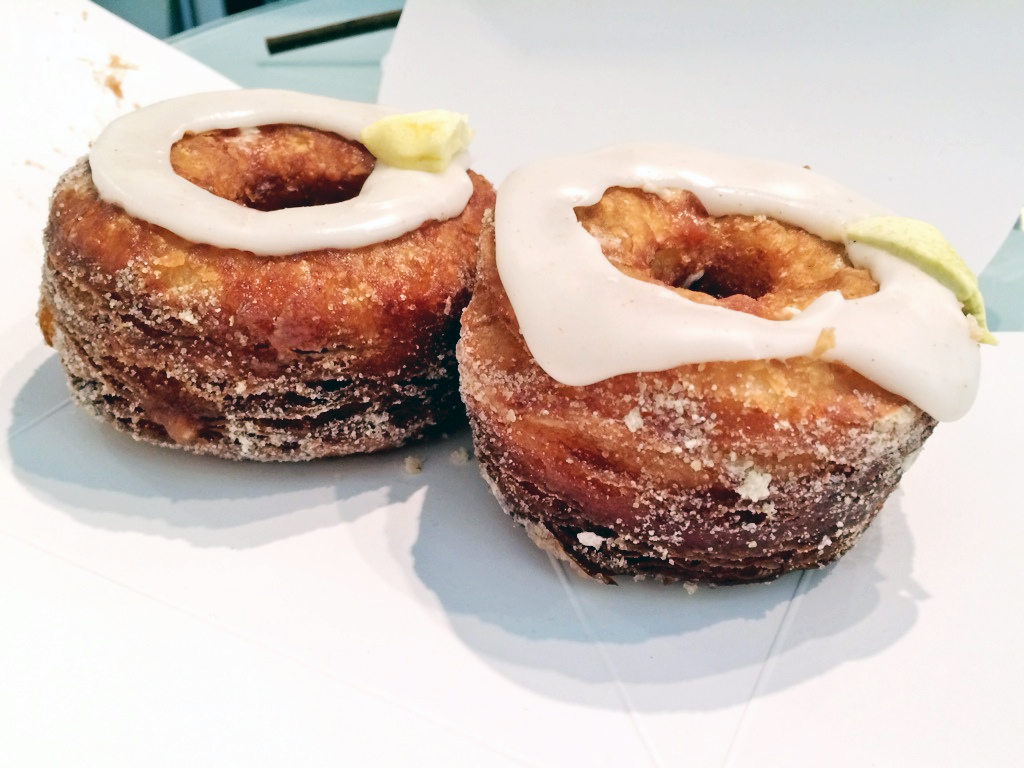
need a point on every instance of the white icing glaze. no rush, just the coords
(131, 167)
(584, 320)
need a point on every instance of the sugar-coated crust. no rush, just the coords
(720, 472)
(227, 353)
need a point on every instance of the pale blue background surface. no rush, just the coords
(347, 69)
(1002, 283)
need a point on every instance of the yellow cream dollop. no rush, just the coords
(418, 141)
(922, 245)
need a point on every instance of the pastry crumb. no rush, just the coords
(413, 465)
(590, 539)
(634, 420)
(756, 485)
(459, 456)
(826, 341)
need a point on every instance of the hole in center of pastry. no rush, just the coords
(719, 275)
(273, 166)
(749, 264)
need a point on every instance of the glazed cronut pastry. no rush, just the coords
(695, 367)
(236, 275)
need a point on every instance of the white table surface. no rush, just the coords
(162, 609)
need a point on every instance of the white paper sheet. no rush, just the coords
(913, 104)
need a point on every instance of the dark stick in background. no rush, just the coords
(326, 34)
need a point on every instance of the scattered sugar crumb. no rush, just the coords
(755, 485)
(634, 420)
(590, 539)
(413, 465)
(459, 456)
